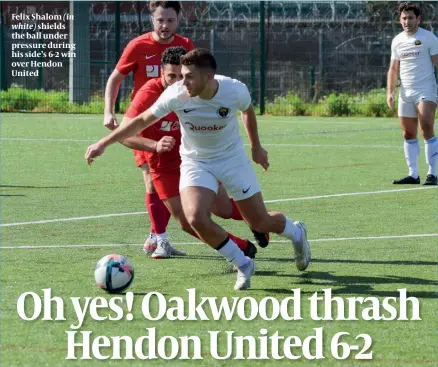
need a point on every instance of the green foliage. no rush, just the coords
(19, 99)
(289, 105)
(25, 100)
(374, 104)
(337, 105)
(370, 104)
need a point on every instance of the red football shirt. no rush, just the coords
(167, 126)
(142, 56)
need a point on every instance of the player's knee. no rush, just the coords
(149, 185)
(198, 221)
(150, 189)
(409, 135)
(185, 226)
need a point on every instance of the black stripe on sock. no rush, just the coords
(222, 244)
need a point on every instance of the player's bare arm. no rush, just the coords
(393, 71)
(435, 60)
(126, 130)
(111, 92)
(259, 155)
(165, 144)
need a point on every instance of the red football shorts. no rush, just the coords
(166, 183)
(141, 157)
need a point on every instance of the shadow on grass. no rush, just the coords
(315, 261)
(343, 284)
(356, 261)
(31, 187)
(356, 284)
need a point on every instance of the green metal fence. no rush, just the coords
(292, 55)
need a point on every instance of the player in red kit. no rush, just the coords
(142, 57)
(161, 143)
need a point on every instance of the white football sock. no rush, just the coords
(233, 253)
(291, 231)
(412, 152)
(431, 151)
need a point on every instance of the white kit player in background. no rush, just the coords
(414, 53)
(212, 152)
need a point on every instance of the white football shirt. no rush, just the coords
(414, 53)
(209, 127)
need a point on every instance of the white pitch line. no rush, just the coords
(322, 122)
(200, 243)
(70, 219)
(266, 201)
(331, 145)
(348, 194)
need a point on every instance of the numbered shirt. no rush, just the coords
(142, 56)
(414, 53)
(167, 126)
(209, 127)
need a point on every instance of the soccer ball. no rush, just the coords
(114, 273)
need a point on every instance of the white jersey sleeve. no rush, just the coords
(169, 100)
(394, 55)
(243, 95)
(433, 44)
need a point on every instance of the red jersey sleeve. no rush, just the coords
(145, 98)
(190, 45)
(128, 60)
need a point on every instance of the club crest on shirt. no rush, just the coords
(152, 71)
(417, 42)
(223, 112)
(169, 126)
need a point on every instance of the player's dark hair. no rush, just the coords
(172, 55)
(175, 5)
(200, 58)
(407, 6)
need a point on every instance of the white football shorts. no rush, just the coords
(235, 173)
(409, 98)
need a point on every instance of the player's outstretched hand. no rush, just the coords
(93, 151)
(165, 144)
(110, 121)
(390, 101)
(260, 156)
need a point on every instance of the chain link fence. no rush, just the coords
(309, 49)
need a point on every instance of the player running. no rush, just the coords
(212, 151)
(160, 144)
(142, 57)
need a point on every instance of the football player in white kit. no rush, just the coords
(414, 53)
(212, 152)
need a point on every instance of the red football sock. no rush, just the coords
(236, 214)
(241, 243)
(158, 213)
(166, 216)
